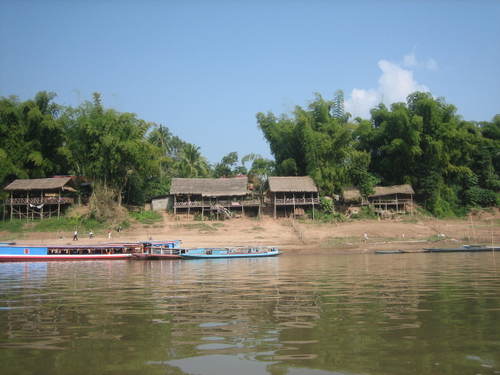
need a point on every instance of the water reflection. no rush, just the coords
(353, 314)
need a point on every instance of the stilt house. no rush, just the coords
(214, 197)
(292, 195)
(40, 197)
(396, 198)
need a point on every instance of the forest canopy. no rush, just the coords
(452, 164)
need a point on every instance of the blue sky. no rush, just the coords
(205, 68)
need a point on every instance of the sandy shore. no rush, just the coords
(304, 237)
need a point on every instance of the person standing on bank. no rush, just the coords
(75, 235)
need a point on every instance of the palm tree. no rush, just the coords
(191, 163)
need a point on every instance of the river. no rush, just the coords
(289, 315)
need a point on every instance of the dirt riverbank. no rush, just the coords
(304, 237)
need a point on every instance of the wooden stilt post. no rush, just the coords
(312, 200)
(41, 202)
(202, 209)
(59, 204)
(175, 204)
(189, 205)
(275, 205)
(27, 205)
(293, 197)
(11, 208)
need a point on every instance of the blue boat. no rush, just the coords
(229, 252)
(104, 251)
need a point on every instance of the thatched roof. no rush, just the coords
(292, 184)
(351, 195)
(379, 191)
(389, 190)
(210, 187)
(40, 184)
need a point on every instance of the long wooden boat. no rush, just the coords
(229, 252)
(390, 252)
(463, 249)
(105, 251)
(154, 250)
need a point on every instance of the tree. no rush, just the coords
(191, 163)
(108, 146)
(316, 143)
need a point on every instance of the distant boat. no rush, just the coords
(105, 251)
(462, 249)
(390, 252)
(229, 252)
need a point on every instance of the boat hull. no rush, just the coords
(229, 256)
(461, 249)
(145, 256)
(71, 257)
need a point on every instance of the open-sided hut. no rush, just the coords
(39, 197)
(398, 198)
(213, 196)
(292, 193)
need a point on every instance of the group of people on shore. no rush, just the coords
(91, 233)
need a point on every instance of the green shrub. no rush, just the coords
(476, 196)
(146, 217)
(14, 226)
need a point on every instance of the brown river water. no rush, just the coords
(289, 315)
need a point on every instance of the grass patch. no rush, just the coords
(435, 238)
(202, 227)
(14, 226)
(146, 217)
(217, 225)
(257, 228)
(336, 241)
(66, 225)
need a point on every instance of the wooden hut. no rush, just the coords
(40, 197)
(216, 197)
(293, 194)
(396, 198)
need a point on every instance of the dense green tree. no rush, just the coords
(108, 146)
(31, 138)
(424, 142)
(191, 163)
(316, 142)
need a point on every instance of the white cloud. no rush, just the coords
(410, 61)
(394, 85)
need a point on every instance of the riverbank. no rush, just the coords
(297, 236)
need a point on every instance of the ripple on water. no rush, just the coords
(295, 315)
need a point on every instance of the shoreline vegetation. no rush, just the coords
(452, 164)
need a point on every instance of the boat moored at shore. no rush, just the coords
(463, 249)
(105, 251)
(229, 252)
